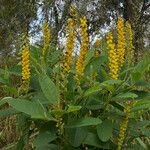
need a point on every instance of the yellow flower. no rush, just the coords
(97, 48)
(121, 42)
(25, 61)
(112, 56)
(124, 124)
(46, 37)
(71, 35)
(83, 48)
(73, 12)
(129, 44)
(97, 43)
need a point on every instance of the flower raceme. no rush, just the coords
(113, 59)
(83, 48)
(121, 41)
(97, 43)
(46, 37)
(124, 124)
(97, 48)
(71, 35)
(129, 44)
(25, 61)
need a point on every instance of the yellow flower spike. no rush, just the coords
(46, 37)
(121, 42)
(83, 48)
(97, 43)
(97, 48)
(25, 63)
(129, 44)
(124, 124)
(73, 11)
(71, 35)
(112, 56)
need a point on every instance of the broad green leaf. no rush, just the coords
(146, 132)
(117, 105)
(11, 90)
(142, 94)
(141, 105)
(20, 144)
(34, 109)
(128, 95)
(48, 147)
(93, 103)
(4, 81)
(44, 138)
(93, 140)
(141, 143)
(73, 108)
(111, 82)
(39, 96)
(104, 130)
(76, 136)
(140, 69)
(8, 112)
(135, 147)
(92, 90)
(94, 64)
(69, 110)
(49, 89)
(142, 83)
(84, 122)
(15, 70)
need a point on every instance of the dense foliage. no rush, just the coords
(90, 101)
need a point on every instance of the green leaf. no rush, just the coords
(94, 64)
(111, 82)
(92, 90)
(7, 112)
(35, 110)
(44, 138)
(141, 143)
(141, 105)
(104, 130)
(92, 140)
(142, 94)
(20, 144)
(117, 105)
(128, 95)
(11, 90)
(146, 132)
(73, 108)
(4, 81)
(69, 110)
(76, 136)
(84, 122)
(142, 83)
(49, 89)
(15, 70)
(48, 147)
(93, 103)
(140, 69)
